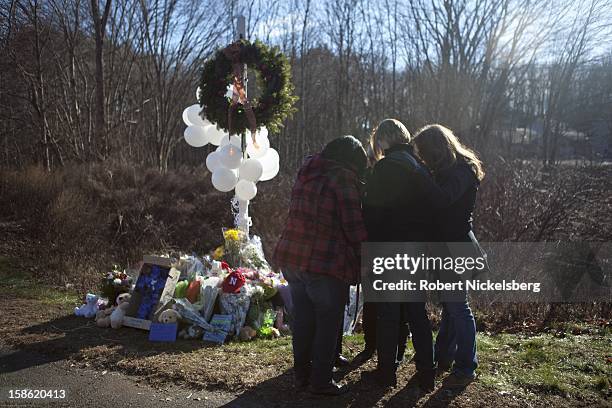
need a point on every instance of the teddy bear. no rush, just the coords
(90, 307)
(169, 316)
(116, 317)
(103, 317)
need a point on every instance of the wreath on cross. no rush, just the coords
(237, 113)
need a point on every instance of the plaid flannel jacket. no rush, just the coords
(325, 225)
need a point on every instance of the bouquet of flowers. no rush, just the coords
(252, 255)
(218, 253)
(115, 283)
(234, 240)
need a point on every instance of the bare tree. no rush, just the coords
(175, 37)
(99, 16)
(102, 80)
(576, 42)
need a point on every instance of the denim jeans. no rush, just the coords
(392, 333)
(318, 311)
(456, 340)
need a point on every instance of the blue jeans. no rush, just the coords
(318, 311)
(456, 340)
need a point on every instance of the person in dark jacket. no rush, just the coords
(453, 163)
(395, 211)
(318, 253)
(400, 204)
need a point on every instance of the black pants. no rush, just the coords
(369, 322)
(339, 341)
(392, 332)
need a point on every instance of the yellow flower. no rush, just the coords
(218, 253)
(231, 235)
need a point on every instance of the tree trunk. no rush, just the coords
(99, 22)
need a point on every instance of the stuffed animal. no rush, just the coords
(103, 317)
(90, 307)
(220, 268)
(275, 333)
(169, 316)
(116, 317)
(247, 333)
(191, 332)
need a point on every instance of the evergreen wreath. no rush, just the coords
(273, 73)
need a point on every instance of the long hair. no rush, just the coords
(389, 132)
(439, 148)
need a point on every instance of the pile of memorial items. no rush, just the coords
(230, 293)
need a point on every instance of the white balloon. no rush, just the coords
(186, 117)
(263, 144)
(224, 179)
(270, 174)
(246, 190)
(251, 170)
(260, 135)
(195, 136)
(212, 162)
(270, 160)
(191, 116)
(215, 135)
(263, 132)
(230, 156)
(235, 140)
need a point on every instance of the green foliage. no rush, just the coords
(573, 366)
(271, 108)
(534, 352)
(265, 331)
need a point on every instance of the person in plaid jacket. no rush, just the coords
(319, 255)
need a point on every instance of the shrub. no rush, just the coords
(81, 220)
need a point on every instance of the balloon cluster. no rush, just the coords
(230, 167)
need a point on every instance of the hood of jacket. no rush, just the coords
(316, 166)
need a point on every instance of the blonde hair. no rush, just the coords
(439, 149)
(390, 132)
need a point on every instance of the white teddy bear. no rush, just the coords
(90, 308)
(169, 316)
(116, 317)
